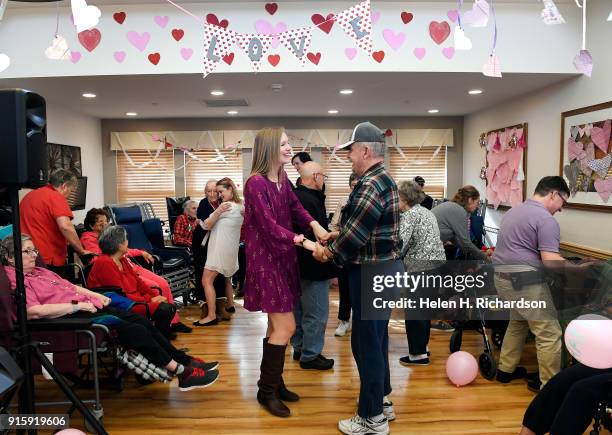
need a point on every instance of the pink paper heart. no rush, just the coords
(448, 52)
(350, 53)
(601, 136)
(119, 56)
(186, 53)
(575, 150)
(264, 27)
(583, 62)
(140, 41)
(394, 40)
(75, 56)
(492, 68)
(478, 16)
(419, 53)
(161, 21)
(604, 188)
(452, 15)
(375, 17)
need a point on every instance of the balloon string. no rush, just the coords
(459, 6)
(495, 28)
(584, 24)
(57, 16)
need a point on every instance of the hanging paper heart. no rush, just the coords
(214, 20)
(119, 17)
(550, 14)
(140, 41)
(575, 150)
(586, 130)
(503, 139)
(439, 31)
(58, 49)
(574, 132)
(604, 188)
(583, 62)
(90, 39)
(584, 162)
(491, 139)
(461, 41)
(478, 16)
(521, 138)
(5, 62)
(271, 8)
(452, 15)
(492, 67)
(601, 166)
(323, 23)
(395, 40)
(497, 146)
(85, 17)
(601, 136)
(406, 17)
(571, 173)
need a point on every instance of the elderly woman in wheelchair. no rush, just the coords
(50, 296)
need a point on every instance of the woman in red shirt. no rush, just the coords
(95, 221)
(113, 269)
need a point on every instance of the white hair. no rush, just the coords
(186, 204)
(377, 148)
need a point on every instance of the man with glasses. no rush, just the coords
(312, 310)
(529, 238)
(47, 218)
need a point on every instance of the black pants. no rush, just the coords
(136, 332)
(344, 309)
(162, 317)
(200, 254)
(566, 404)
(417, 334)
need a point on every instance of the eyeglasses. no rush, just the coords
(563, 198)
(31, 252)
(325, 177)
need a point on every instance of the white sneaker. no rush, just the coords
(357, 425)
(342, 328)
(388, 410)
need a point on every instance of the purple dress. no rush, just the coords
(272, 283)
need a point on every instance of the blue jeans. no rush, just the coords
(311, 313)
(370, 345)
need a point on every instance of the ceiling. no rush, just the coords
(47, 3)
(305, 94)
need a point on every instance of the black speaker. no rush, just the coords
(23, 139)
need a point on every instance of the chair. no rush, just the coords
(175, 209)
(173, 263)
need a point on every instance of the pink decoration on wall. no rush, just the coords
(139, 40)
(266, 28)
(448, 52)
(350, 53)
(186, 53)
(90, 39)
(604, 189)
(375, 17)
(439, 31)
(601, 136)
(324, 24)
(395, 40)
(119, 56)
(161, 21)
(75, 56)
(452, 15)
(419, 53)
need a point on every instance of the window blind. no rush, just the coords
(420, 162)
(338, 170)
(211, 166)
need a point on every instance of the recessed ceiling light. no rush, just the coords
(232, 112)
(131, 114)
(88, 95)
(217, 93)
(346, 91)
(433, 111)
(475, 92)
(332, 111)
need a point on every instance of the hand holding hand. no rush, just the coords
(87, 306)
(319, 253)
(320, 233)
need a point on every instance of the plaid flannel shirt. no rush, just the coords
(370, 221)
(183, 230)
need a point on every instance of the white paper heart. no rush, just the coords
(550, 14)
(58, 49)
(5, 62)
(583, 62)
(478, 16)
(492, 67)
(85, 17)
(461, 41)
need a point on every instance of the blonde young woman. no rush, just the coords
(272, 284)
(223, 239)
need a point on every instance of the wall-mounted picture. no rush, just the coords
(586, 156)
(64, 157)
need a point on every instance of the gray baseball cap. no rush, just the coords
(364, 132)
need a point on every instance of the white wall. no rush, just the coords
(71, 128)
(542, 110)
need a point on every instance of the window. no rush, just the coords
(212, 165)
(151, 183)
(420, 162)
(338, 170)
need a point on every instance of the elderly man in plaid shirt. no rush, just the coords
(368, 239)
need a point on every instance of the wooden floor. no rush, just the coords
(425, 401)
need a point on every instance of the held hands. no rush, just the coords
(320, 253)
(320, 233)
(87, 306)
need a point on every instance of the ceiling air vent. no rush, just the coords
(227, 103)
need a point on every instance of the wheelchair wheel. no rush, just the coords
(487, 366)
(455, 341)
(143, 381)
(498, 337)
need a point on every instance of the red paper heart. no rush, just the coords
(274, 59)
(119, 17)
(406, 17)
(154, 58)
(378, 56)
(212, 19)
(314, 58)
(228, 58)
(90, 39)
(439, 31)
(388, 132)
(178, 34)
(325, 24)
(271, 8)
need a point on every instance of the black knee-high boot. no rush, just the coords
(271, 369)
(283, 392)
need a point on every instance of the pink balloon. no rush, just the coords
(461, 368)
(70, 432)
(589, 339)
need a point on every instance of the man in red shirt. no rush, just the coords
(47, 218)
(185, 224)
